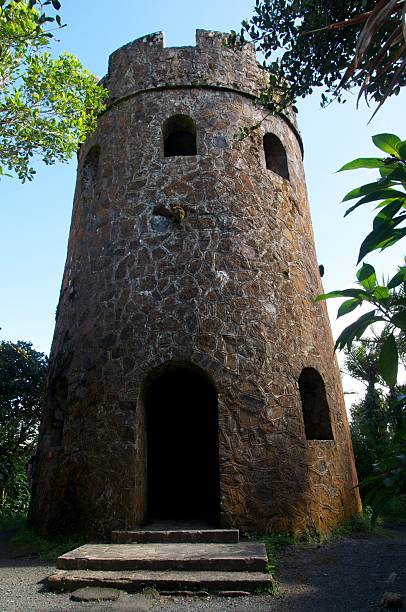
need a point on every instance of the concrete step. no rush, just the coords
(70, 580)
(141, 536)
(244, 556)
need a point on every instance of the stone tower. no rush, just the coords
(192, 376)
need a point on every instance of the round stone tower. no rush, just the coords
(192, 375)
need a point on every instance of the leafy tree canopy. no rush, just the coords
(47, 105)
(22, 378)
(378, 426)
(311, 43)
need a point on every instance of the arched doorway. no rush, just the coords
(182, 446)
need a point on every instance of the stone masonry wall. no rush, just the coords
(230, 290)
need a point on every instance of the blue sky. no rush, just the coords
(35, 217)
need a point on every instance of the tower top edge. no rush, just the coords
(146, 63)
(205, 39)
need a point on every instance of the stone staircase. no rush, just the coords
(213, 560)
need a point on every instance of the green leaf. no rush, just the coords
(402, 149)
(388, 361)
(381, 237)
(387, 143)
(393, 172)
(398, 279)
(363, 162)
(401, 201)
(399, 320)
(356, 329)
(381, 292)
(348, 306)
(388, 212)
(355, 293)
(366, 276)
(382, 194)
(366, 189)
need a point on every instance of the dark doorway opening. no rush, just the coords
(182, 446)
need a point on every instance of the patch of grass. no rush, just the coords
(272, 590)
(358, 523)
(48, 548)
(150, 591)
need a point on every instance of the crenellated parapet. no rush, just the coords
(146, 64)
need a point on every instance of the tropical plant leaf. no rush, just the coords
(398, 279)
(381, 238)
(367, 277)
(376, 19)
(354, 293)
(363, 162)
(394, 82)
(387, 142)
(381, 292)
(393, 172)
(366, 189)
(387, 213)
(402, 148)
(356, 329)
(381, 194)
(348, 306)
(388, 361)
(399, 320)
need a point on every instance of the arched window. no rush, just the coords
(179, 135)
(316, 413)
(90, 167)
(275, 156)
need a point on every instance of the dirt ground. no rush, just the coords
(346, 575)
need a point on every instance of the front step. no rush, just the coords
(170, 580)
(144, 536)
(245, 556)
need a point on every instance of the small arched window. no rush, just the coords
(316, 413)
(90, 167)
(275, 156)
(179, 135)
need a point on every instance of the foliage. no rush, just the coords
(49, 549)
(388, 481)
(13, 522)
(378, 427)
(395, 511)
(22, 377)
(388, 299)
(47, 105)
(358, 523)
(389, 189)
(336, 45)
(378, 416)
(388, 306)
